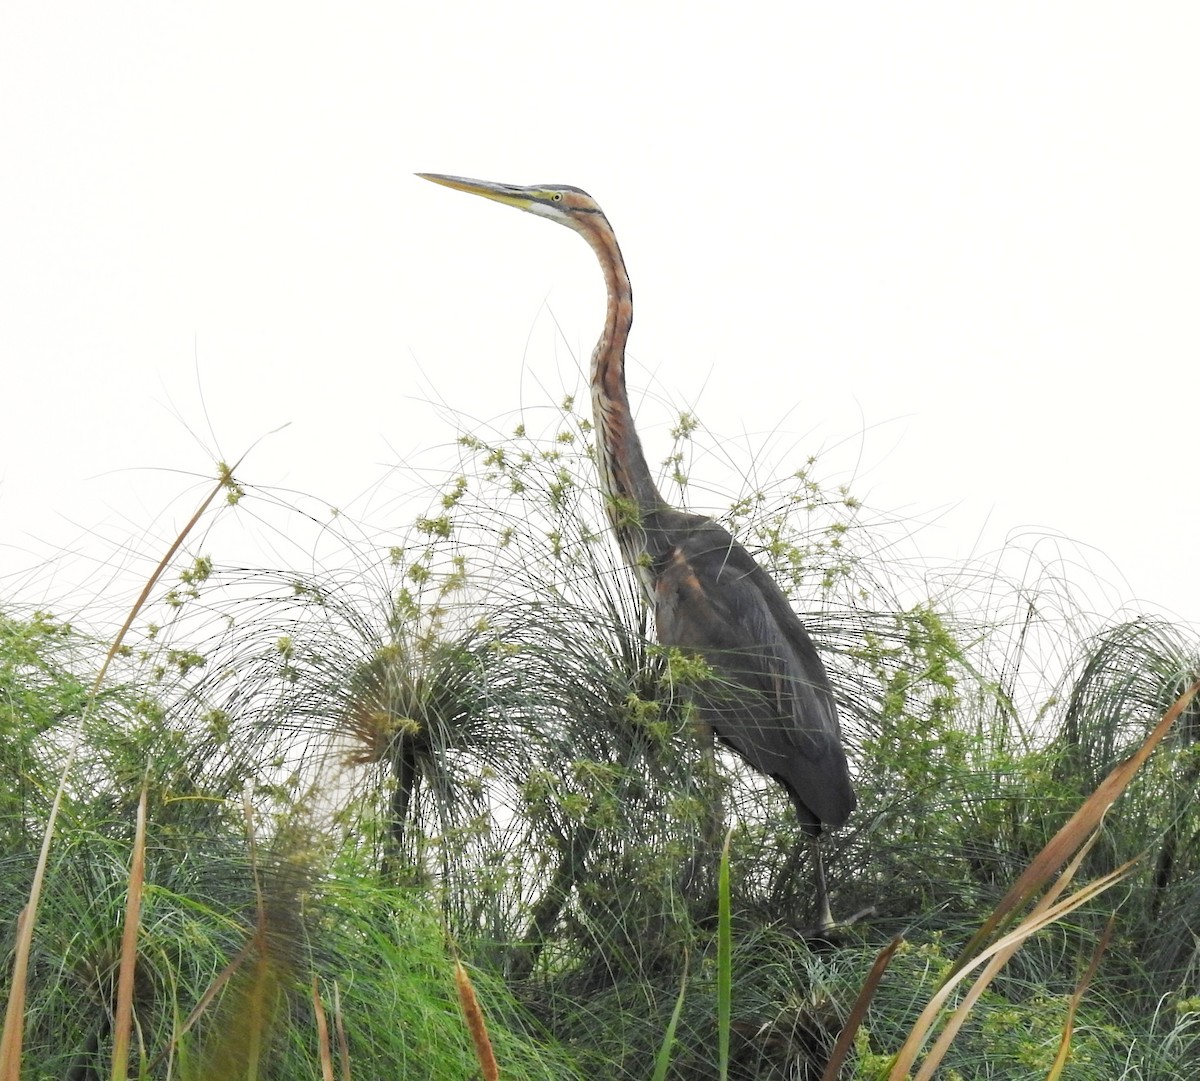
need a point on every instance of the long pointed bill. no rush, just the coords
(489, 189)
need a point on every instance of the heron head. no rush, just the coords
(558, 202)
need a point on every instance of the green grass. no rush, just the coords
(459, 745)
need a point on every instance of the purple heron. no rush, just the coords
(769, 697)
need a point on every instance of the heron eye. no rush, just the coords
(557, 196)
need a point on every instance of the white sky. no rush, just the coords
(956, 246)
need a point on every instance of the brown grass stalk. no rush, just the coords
(1070, 843)
(1081, 824)
(123, 1020)
(323, 1048)
(476, 1024)
(845, 1038)
(1028, 927)
(998, 961)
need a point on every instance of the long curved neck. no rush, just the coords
(628, 488)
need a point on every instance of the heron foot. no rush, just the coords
(828, 929)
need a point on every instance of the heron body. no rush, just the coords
(769, 697)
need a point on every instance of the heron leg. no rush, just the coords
(698, 880)
(714, 834)
(824, 915)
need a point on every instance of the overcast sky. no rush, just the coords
(953, 248)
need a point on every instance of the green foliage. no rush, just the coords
(40, 700)
(323, 910)
(1015, 1033)
(462, 734)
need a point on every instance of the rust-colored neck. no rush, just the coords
(629, 490)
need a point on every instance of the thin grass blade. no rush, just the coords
(663, 1059)
(1064, 1047)
(339, 1026)
(724, 961)
(198, 1011)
